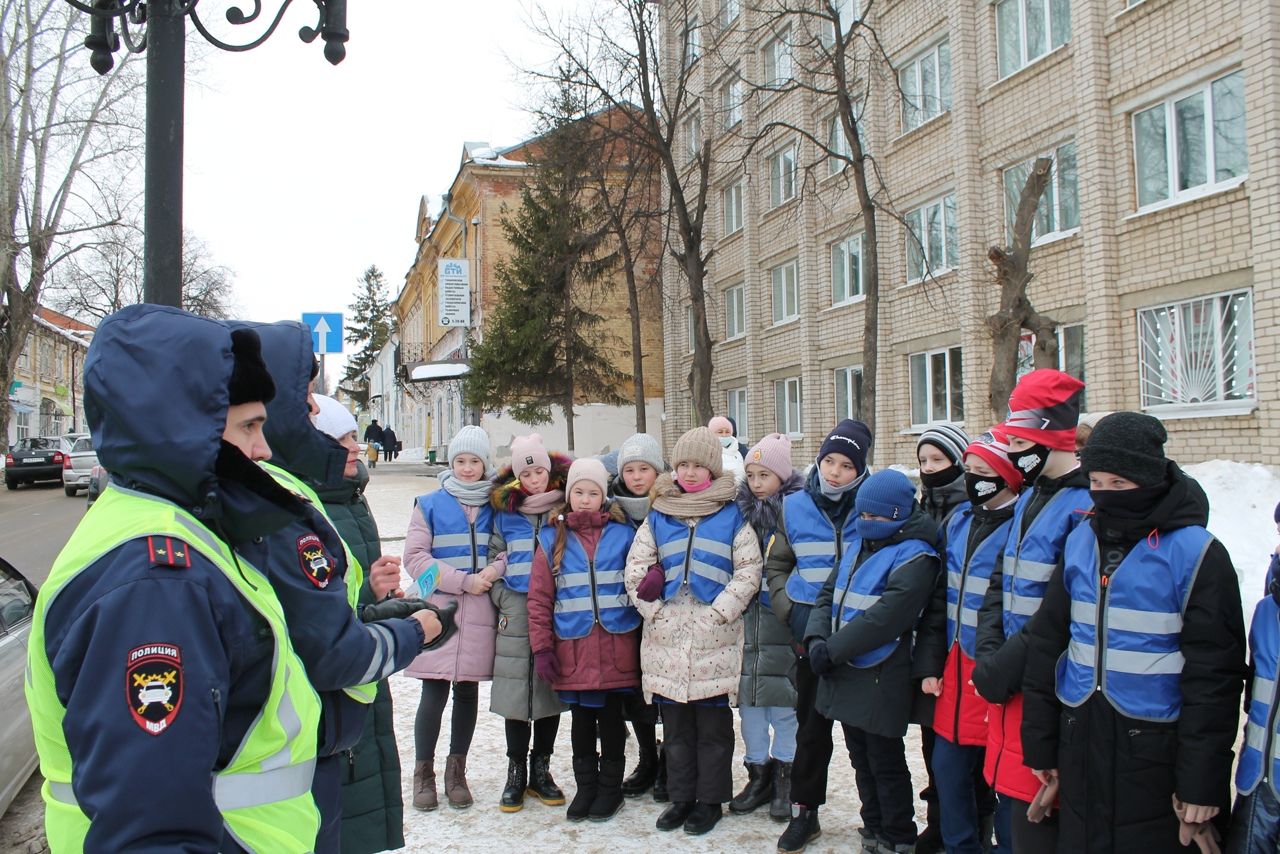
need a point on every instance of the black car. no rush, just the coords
(32, 459)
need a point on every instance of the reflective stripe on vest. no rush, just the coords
(698, 553)
(352, 574)
(520, 534)
(591, 591)
(264, 793)
(859, 588)
(1260, 757)
(1139, 621)
(456, 541)
(1029, 559)
(817, 545)
(968, 576)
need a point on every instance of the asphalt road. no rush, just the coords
(35, 522)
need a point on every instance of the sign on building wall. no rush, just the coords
(454, 285)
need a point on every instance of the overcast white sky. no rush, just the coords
(300, 174)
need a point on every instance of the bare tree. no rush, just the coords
(1016, 312)
(106, 275)
(66, 136)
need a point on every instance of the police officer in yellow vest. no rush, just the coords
(171, 711)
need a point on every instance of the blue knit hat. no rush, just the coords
(886, 493)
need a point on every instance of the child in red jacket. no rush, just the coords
(584, 632)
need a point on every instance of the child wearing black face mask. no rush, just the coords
(1136, 658)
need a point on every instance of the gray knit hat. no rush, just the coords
(641, 448)
(701, 447)
(470, 440)
(946, 437)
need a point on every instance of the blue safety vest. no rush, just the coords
(1261, 754)
(462, 544)
(1029, 559)
(968, 576)
(698, 553)
(520, 535)
(859, 587)
(817, 545)
(590, 591)
(1137, 615)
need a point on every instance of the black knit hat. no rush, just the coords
(851, 438)
(1129, 444)
(250, 381)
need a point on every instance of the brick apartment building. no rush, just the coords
(1158, 242)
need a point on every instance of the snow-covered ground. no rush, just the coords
(1242, 496)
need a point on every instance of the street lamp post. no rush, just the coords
(159, 28)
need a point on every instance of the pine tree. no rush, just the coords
(369, 326)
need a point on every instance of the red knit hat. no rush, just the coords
(993, 448)
(1045, 408)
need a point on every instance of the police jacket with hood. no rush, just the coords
(877, 697)
(152, 789)
(307, 562)
(1119, 771)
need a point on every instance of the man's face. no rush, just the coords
(244, 430)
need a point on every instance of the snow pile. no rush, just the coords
(1242, 498)
(412, 455)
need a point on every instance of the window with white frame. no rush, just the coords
(1070, 354)
(731, 201)
(693, 135)
(926, 86)
(735, 312)
(731, 102)
(846, 13)
(690, 325)
(1197, 352)
(692, 42)
(1059, 209)
(45, 352)
(838, 141)
(23, 422)
(786, 292)
(932, 242)
(937, 391)
(1028, 29)
(24, 358)
(782, 176)
(778, 61)
(849, 392)
(1191, 143)
(736, 408)
(729, 12)
(787, 404)
(846, 270)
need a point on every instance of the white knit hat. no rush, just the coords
(333, 419)
(470, 440)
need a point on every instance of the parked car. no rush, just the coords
(17, 744)
(97, 484)
(33, 459)
(78, 465)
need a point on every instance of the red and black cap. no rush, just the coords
(1045, 408)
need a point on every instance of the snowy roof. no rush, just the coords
(438, 371)
(81, 339)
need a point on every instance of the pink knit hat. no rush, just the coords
(720, 423)
(527, 452)
(589, 469)
(774, 453)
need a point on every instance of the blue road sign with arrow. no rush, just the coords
(326, 331)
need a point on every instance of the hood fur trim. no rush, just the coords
(508, 496)
(763, 513)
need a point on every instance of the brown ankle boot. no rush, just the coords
(424, 786)
(455, 781)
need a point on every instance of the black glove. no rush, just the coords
(820, 657)
(448, 625)
(393, 609)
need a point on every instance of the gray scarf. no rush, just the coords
(834, 492)
(474, 494)
(635, 508)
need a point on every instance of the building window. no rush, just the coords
(24, 358)
(731, 200)
(846, 14)
(735, 312)
(690, 324)
(23, 422)
(736, 407)
(1197, 352)
(786, 294)
(45, 352)
(778, 63)
(1191, 143)
(937, 392)
(729, 11)
(838, 143)
(782, 176)
(731, 103)
(849, 393)
(1059, 209)
(1070, 355)
(926, 86)
(846, 270)
(931, 240)
(692, 42)
(787, 402)
(1028, 29)
(693, 135)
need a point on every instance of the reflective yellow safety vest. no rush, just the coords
(264, 793)
(355, 573)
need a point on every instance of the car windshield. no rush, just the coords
(39, 443)
(82, 445)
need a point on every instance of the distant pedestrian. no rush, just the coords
(390, 443)
(730, 450)
(374, 432)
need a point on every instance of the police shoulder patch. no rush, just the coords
(153, 685)
(316, 564)
(166, 551)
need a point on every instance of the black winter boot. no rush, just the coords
(780, 806)
(802, 830)
(541, 786)
(660, 778)
(608, 798)
(757, 792)
(517, 780)
(674, 816)
(586, 771)
(703, 818)
(641, 779)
